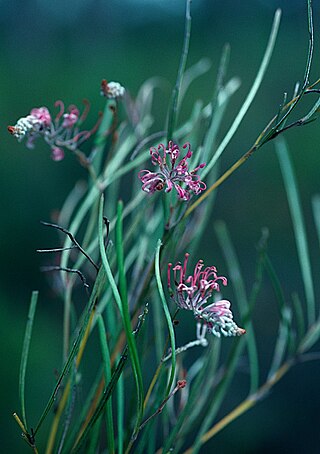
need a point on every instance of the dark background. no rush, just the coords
(62, 50)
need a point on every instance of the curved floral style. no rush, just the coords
(61, 132)
(172, 174)
(192, 293)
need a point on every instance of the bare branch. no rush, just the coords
(74, 241)
(68, 270)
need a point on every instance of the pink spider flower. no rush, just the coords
(192, 293)
(61, 132)
(173, 173)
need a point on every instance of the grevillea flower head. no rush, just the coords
(172, 173)
(112, 90)
(193, 291)
(61, 132)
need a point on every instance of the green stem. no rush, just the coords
(173, 111)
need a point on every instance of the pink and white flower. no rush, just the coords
(192, 293)
(172, 174)
(62, 132)
(112, 90)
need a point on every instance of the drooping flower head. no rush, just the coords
(172, 173)
(193, 291)
(61, 132)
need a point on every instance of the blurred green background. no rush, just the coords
(62, 50)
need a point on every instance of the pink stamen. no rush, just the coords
(85, 111)
(59, 104)
(192, 293)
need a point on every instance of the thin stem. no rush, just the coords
(65, 395)
(252, 93)
(26, 436)
(172, 117)
(246, 404)
(218, 182)
(73, 240)
(25, 354)
(180, 384)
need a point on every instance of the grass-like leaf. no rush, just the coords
(99, 283)
(282, 341)
(240, 292)
(316, 213)
(298, 224)
(107, 373)
(85, 411)
(192, 409)
(311, 337)
(168, 317)
(126, 319)
(251, 95)
(120, 414)
(25, 354)
(220, 392)
(173, 109)
(298, 316)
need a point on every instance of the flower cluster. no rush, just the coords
(112, 90)
(173, 173)
(192, 293)
(61, 132)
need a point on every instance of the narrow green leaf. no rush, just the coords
(109, 389)
(299, 318)
(159, 330)
(105, 261)
(311, 337)
(99, 284)
(81, 417)
(220, 392)
(168, 317)
(126, 319)
(305, 82)
(107, 393)
(200, 392)
(242, 299)
(230, 367)
(107, 373)
(93, 447)
(251, 95)
(298, 224)
(275, 283)
(101, 137)
(120, 414)
(122, 303)
(25, 354)
(173, 110)
(316, 213)
(191, 74)
(282, 341)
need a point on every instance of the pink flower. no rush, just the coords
(42, 114)
(192, 293)
(61, 132)
(172, 174)
(57, 154)
(71, 118)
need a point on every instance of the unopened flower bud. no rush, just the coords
(112, 90)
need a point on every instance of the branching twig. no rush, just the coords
(68, 270)
(181, 384)
(57, 249)
(73, 240)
